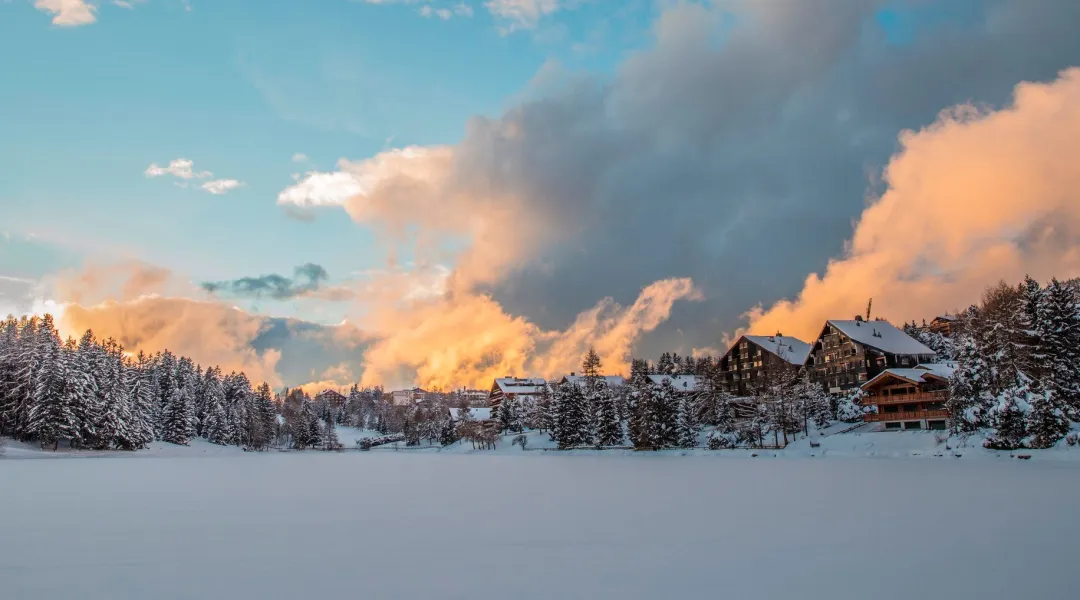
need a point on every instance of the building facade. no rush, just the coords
(750, 362)
(847, 354)
(505, 387)
(910, 398)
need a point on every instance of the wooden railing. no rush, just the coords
(916, 415)
(908, 398)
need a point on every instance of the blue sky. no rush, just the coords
(239, 88)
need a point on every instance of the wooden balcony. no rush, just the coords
(917, 415)
(909, 398)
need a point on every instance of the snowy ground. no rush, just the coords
(424, 524)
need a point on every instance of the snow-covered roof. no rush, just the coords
(679, 382)
(881, 335)
(942, 370)
(611, 380)
(917, 374)
(946, 318)
(477, 414)
(790, 349)
(520, 385)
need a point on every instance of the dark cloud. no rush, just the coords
(739, 148)
(306, 280)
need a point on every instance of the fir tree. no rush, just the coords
(330, 436)
(51, 418)
(608, 425)
(686, 426)
(571, 417)
(1008, 417)
(666, 365)
(510, 416)
(969, 388)
(1060, 336)
(141, 392)
(1046, 420)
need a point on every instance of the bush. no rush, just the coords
(1072, 439)
(720, 441)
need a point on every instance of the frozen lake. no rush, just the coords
(399, 525)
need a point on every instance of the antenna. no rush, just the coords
(868, 305)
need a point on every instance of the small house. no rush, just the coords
(910, 398)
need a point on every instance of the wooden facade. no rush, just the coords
(910, 398)
(515, 387)
(750, 363)
(848, 354)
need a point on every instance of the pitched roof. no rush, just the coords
(611, 380)
(790, 349)
(518, 385)
(881, 335)
(918, 374)
(682, 383)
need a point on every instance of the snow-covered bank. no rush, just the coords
(417, 525)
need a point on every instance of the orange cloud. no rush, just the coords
(977, 196)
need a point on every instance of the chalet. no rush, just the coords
(331, 397)
(474, 414)
(408, 397)
(910, 398)
(681, 383)
(847, 354)
(505, 387)
(750, 360)
(946, 325)
(611, 380)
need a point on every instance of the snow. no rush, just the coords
(515, 385)
(611, 380)
(542, 525)
(790, 349)
(942, 370)
(889, 338)
(917, 374)
(478, 414)
(679, 382)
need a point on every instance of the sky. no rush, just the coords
(437, 192)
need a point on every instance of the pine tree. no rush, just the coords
(608, 424)
(330, 436)
(177, 414)
(51, 418)
(1060, 336)
(510, 415)
(686, 426)
(969, 388)
(666, 408)
(20, 399)
(115, 415)
(1008, 417)
(666, 365)
(1046, 420)
(141, 387)
(265, 418)
(590, 366)
(9, 364)
(571, 417)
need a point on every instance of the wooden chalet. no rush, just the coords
(946, 325)
(505, 387)
(847, 354)
(331, 397)
(910, 398)
(749, 361)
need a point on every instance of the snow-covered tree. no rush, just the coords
(571, 417)
(608, 429)
(686, 426)
(510, 415)
(51, 417)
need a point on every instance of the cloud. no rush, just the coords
(446, 13)
(317, 189)
(977, 196)
(68, 13)
(300, 157)
(521, 14)
(306, 279)
(221, 186)
(183, 169)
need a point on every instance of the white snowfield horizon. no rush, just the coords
(392, 525)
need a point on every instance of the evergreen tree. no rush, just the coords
(141, 392)
(330, 436)
(1060, 336)
(20, 400)
(686, 426)
(666, 365)
(51, 417)
(608, 424)
(969, 388)
(1008, 417)
(115, 414)
(591, 366)
(510, 416)
(9, 365)
(571, 417)
(177, 414)
(1046, 420)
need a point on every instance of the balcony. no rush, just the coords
(917, 415)
(908, 398)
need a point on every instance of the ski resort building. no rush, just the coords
(910, 398)
(332, 398)
(752, 358)
(847, 354)
(408, 397)
(945, 325)
(506, 387)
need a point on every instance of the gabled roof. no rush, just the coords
(790, 349)
(918, 374)
(611, 380)
(881, 335)
(477, 414)
(518, 385)
(682, 383)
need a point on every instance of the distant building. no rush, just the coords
(408, 397)
(751, 357)
(847, 354)
(910, 398)
(946, 325)
(474, 414)
(682, 383)
(330, 397)
(506, 387)
(611, 380)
